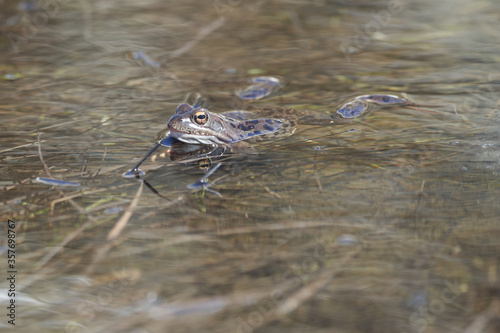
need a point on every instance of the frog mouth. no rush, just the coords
(195, 138)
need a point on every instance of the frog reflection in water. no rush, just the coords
(194, 127)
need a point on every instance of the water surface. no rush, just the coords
(388, 224)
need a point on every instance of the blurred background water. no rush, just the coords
(388, 224)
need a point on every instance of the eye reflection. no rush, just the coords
(204, 164)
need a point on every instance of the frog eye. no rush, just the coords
(200, 117)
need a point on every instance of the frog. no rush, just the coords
(195, 126)
(198, 125)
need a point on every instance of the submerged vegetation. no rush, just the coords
(389, 223)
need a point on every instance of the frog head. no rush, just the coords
(200, 126)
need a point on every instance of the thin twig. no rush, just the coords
(47, 171)
(316, 174)
(14, 148)
(115, 232)
(288, 226)
(201, 35)
(53, 251)
(102, 162)
(64, 198)
(122, 222)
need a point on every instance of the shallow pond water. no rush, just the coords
(387, 224)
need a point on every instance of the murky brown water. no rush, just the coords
(392, 227)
